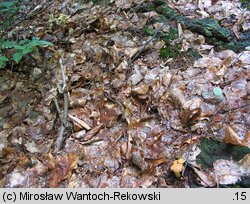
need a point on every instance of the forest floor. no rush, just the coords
(115, 103)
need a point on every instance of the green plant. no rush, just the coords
(170, 50)
(3, 60)
(19, 50)
(245, 3)
(8, 10)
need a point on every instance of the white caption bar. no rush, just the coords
(193, 196)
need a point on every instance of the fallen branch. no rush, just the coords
(60, 138)
(57, 108)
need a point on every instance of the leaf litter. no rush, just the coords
(134, 118)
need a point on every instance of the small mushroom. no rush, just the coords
(177, 167)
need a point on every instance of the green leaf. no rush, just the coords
(4, 10)
(33, 115)
(3, 60)
(17, 56)
(38, 42)
(18, 47)
(7, 4)
(23, 48)
(25, 41)
(5, 44)
(27, 50)
(218, 92)
(149, 31)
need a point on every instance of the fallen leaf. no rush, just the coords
(231, 137)
(31, 147)
(206, 179)
(227, 172)
(139, 160)
(191, 111)
(63, 169)
(140, 89)
(177, 97)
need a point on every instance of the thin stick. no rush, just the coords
(60, 139)
(151, 39)
(143, 47)
(188, 154)
(57, 108)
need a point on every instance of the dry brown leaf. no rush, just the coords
(156, 162)
(88, 135)
(140, 89)
(191, 111)
(206, 179)
(231, 137)
(208, 62)
(227, 172)
(50, 161)
(63, 169)
(108, 116)
(177, 97)
(245, 163)
(138, 159)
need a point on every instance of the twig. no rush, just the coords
(188, 154)
(237, 108)
(143, 47)
(151, 39)
(233, 62)
(57, 108)
(60, 139)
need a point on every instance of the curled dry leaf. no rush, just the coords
(26, 179)
(231, 137)
(139, 160)
(20, 179)
(62, 169)
(227, 172)
(206, 179)
(31, 147)
(177, 97)
(140, 89)
(208, 62)
(245, 163)
(50, 161)
(192, 154)
(156, 162)
(191, 111)
(135, 78)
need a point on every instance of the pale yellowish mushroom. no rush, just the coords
(177, 167)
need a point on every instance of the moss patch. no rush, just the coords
(213, 149)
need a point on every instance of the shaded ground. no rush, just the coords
(131, 113)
